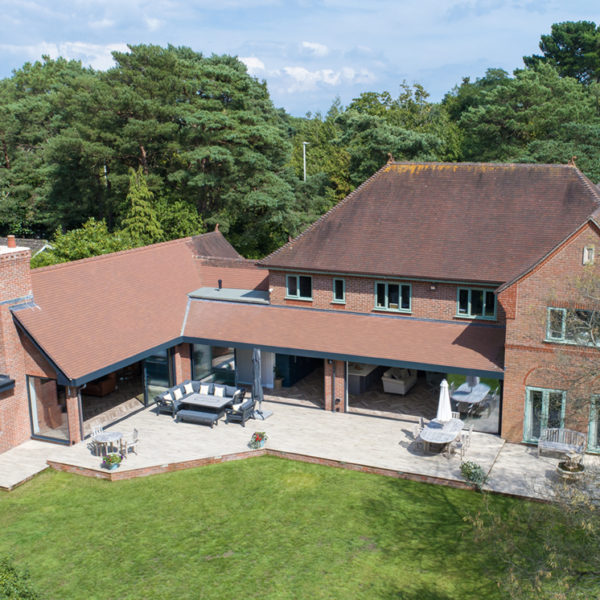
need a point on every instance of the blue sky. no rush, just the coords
(308, 51)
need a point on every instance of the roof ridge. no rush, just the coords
(331, 210)
(111, 254)
(478, 164)
(585, 180)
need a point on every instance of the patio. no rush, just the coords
(348, 440)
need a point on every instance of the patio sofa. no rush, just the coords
(171, 400)
(398, 381)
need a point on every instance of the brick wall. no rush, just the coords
(427, 303)
(334, 390)
(529, 360)
(183, 362)
(15, 284)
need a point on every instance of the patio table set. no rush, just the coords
(114, 441)
(445, 432)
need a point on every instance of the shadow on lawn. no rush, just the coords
(424, 526)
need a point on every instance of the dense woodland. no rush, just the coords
(169, 142)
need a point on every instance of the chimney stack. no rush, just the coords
(11, 242)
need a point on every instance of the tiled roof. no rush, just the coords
(98, 311)
(447, 345)
(213, 244)
(233, 273)
(463, 221)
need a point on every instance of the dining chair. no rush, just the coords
(130, 446)
(456, 415)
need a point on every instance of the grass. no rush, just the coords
(261, 528)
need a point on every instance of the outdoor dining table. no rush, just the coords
(441, 432)
(108, 438)
(215, 402)
(469, 395)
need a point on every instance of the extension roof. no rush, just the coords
(98, 312)
(378, 339)
(443, 221)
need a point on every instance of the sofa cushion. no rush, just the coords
(230, 390)
(188, 388)
(206, 389)
(237, 407)
(219, 391)
(177, 394)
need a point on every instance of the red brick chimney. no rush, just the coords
(15, 289)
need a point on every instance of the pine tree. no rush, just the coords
(141, 223)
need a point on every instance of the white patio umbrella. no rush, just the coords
(444, 411)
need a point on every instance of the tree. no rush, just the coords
(513, 118)
(15, 584)
(141, 224)
(92, 239)
(573, 47)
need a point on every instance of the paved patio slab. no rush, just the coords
(372, 442)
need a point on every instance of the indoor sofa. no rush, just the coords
(398, 381)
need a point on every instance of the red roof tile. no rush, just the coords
(447, 345)
(234, 273)
(98, 311)
(463, 221)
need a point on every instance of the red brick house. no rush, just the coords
(461, 269)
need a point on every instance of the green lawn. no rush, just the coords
(260, 528)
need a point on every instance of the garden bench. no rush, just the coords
(199, 416)
(561, 440)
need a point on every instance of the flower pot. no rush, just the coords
(261, 443)
(570, 475)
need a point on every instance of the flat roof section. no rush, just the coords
(231, 295)
(444, 346)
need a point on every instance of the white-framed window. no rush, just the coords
(339, 291)
(392, 296)
(299, 287)
(573, 326)
(589, 253)
(476, 303)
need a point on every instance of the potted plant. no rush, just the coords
(258, 439)
(112, 461)
(571, 468)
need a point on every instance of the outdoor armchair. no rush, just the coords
(241, 413)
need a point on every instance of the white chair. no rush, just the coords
(466, 437)
(417, 433)
(456, 415)
(130, 446)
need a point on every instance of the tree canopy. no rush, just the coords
(207, 145)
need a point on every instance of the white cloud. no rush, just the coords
(152, 24)
(305, 80)
(102, 24)
(315, 48)
(253, 64)
(95, 55)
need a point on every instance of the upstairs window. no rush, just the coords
(573, 326)
(392, 296)
(588, 255)
(339, 291)
(476, 303)
(299, 287)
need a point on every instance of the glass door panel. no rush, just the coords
(535, 406)
(157, 374)
(555, 409)
(47, 408)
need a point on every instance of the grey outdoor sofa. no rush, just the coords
(171, 400)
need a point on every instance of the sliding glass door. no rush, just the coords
(158, 374)
(47, 409)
